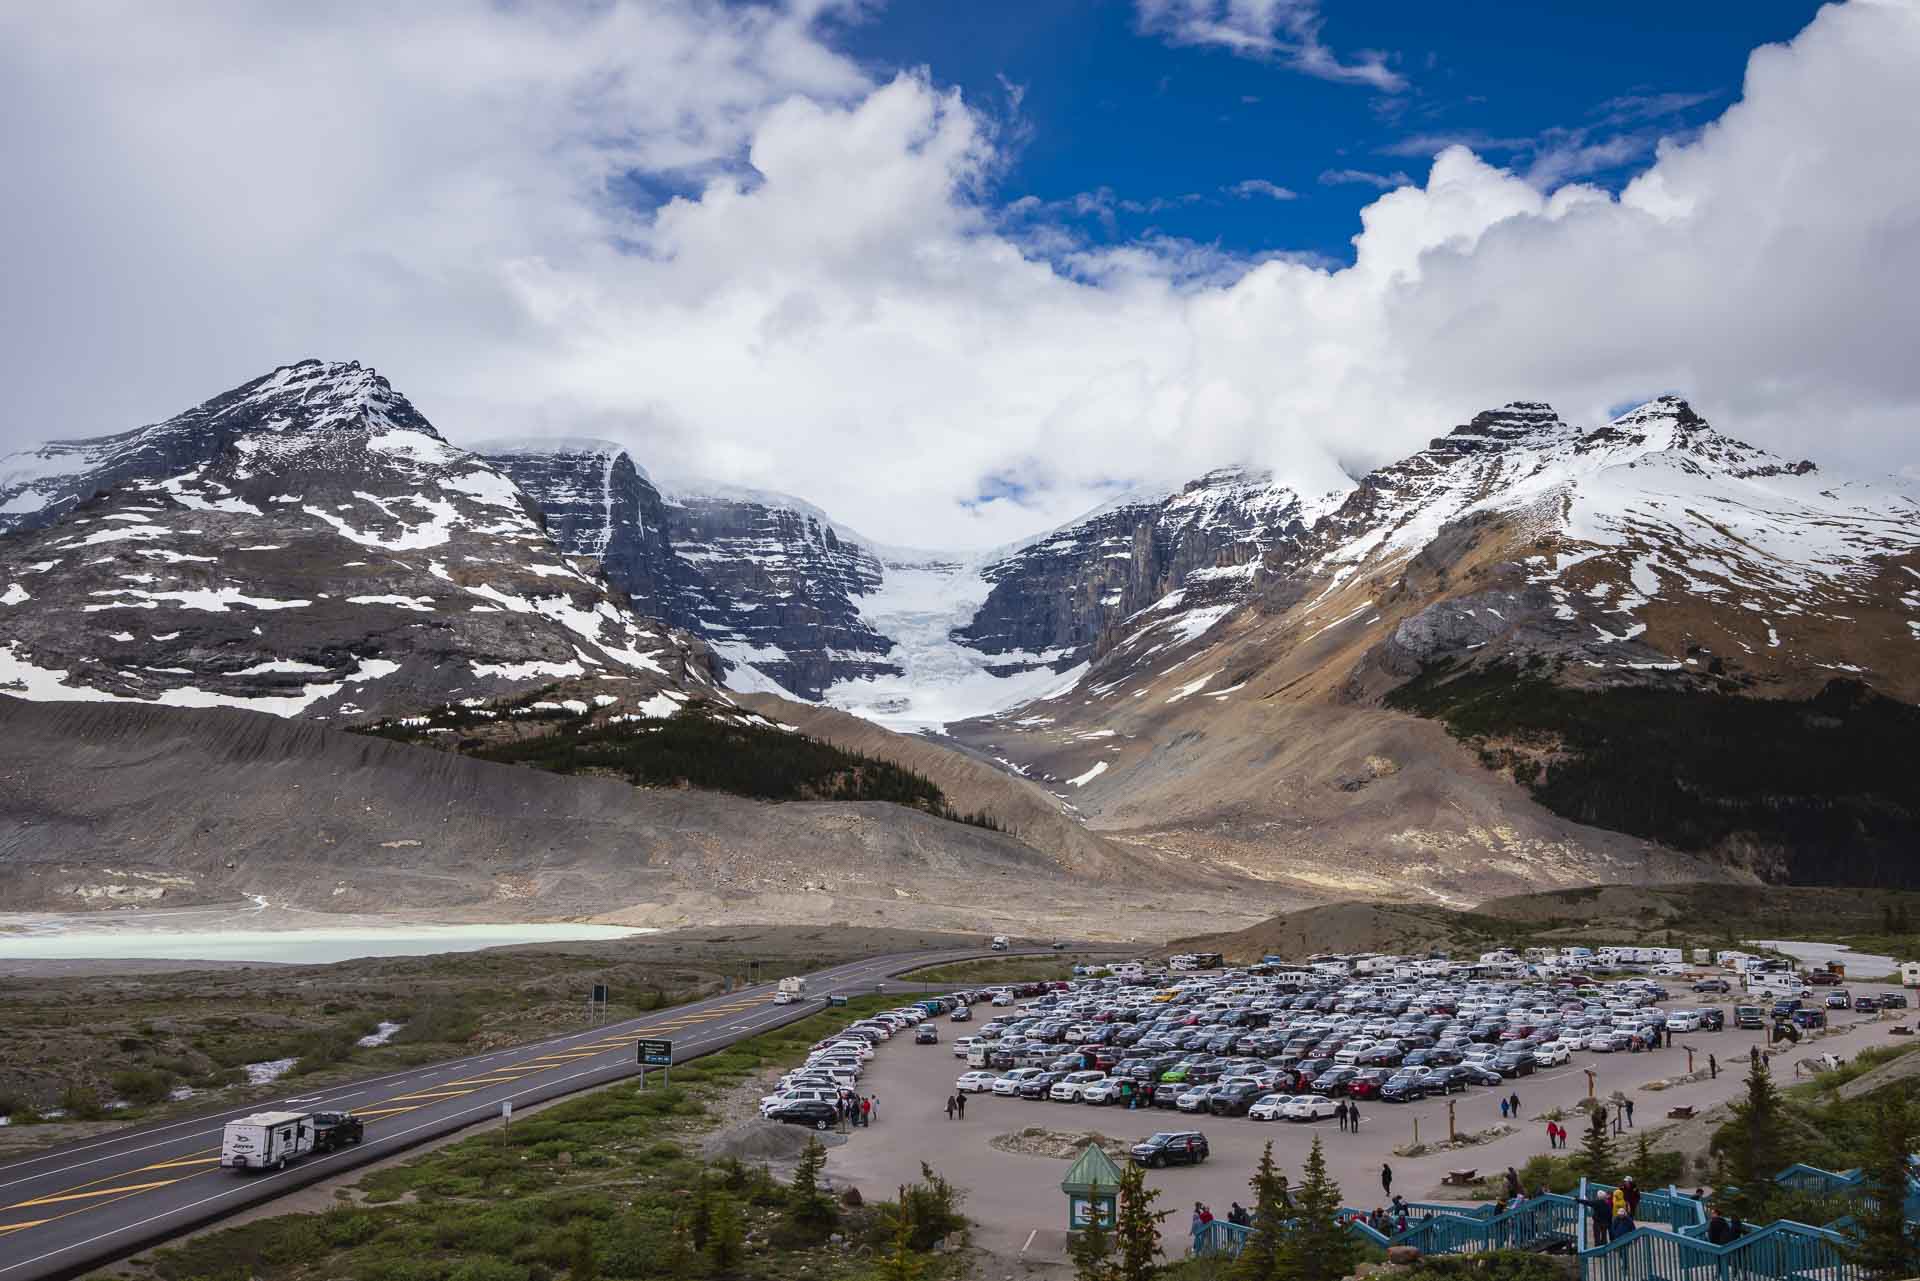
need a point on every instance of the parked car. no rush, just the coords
(1171, 1147)
(1713, 985)
(1866, 1004)
(1311, 1107)
(1269, 1107)
(1552, 1054)
(926, 1034)
(975, 1082)
(814, 1113)
(1235, 1100)
(1039, 1085)
(1514, 1063)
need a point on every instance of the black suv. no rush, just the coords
(1036, 1087)
(1404, 1089)
(817, 1113)
(1171, 1147)
(336, 1130)
(1514, 1063)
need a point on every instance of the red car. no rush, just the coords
(1367, 1084)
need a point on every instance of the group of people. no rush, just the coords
(1614, 1212)
(1510, 1106)
(1349, 1113)
(858, 1109)
(956, 1106)
(1388, 1221)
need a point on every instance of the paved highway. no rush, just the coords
(74, 1208)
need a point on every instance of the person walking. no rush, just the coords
(960, 1105)
(1386, 1180)
(873, 1110)
(949, 1107)
(1340, 1114)
(1628, 1105)
(1513, 1184)
(866, 1113)
(1713, 1068)
(1513, 1102)
(1353, 1117)
(1719, 1231)
(1503, 1109)
(1632, 1191)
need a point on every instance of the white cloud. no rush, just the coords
(1286, 31)
(832, 306)
(1250, 187)
(1364, 177)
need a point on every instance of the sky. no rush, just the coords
(957, 272)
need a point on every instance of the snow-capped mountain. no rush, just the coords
(766, 580)
(794, 602)
(306, 544)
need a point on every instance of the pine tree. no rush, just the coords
(700, 1218)
(1262, 1257)
(1751, 1146)
(726, 1240)
(1642, 1155)
(901, 1263)
(810, 1210)
(681, 1254)
(1883, 1243)
(1596, 1159)
(1136, 1230)
(1091, 1249)
(1318, 1247)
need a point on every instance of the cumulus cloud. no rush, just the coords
(697, 229)
(1284, 31)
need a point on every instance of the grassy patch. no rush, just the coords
(1013, 969)
(603, 1185)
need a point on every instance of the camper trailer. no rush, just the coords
(266, 1140)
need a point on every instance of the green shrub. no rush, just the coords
(141, 1086)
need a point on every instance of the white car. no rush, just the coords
(1071, 1088)
(961, 1045)
(1552, 1054)
(1311, 1107)
(1101, 1092)
(975, 1082)
(1009, 1085)
(1195, 1100)
(1271, 1107)
(1002, 999)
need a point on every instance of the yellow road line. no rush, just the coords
(82, 1196)
(30, 1223)
(182, 1161)
(430, 1094)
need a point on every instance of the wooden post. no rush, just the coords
(1416, 1131)
(1590, 1078)
(1451, 1132)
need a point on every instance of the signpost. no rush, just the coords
(655, 1053)
(597, 1003)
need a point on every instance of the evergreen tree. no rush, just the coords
(727, 1237)
(1262, 1258)
(700, 1218)
(1091, 1250)
(1136, 1230)
(1751, 1146)
(1883, 1243)
(1642, 1155)
(901, 1263)
(810, 1211)
(1596, 1159)
(1318, 1247)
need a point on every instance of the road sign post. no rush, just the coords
(655, 1053)
(597, 1002)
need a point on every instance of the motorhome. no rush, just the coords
(791, 990)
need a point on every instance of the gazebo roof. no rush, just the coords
(1094, 1168)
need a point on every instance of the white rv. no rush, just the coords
(791, 990)
(266, 1140)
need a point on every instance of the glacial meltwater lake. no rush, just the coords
(61, 938)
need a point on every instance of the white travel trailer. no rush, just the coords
(266, 1140)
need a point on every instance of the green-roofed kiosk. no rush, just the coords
(1092, 1186)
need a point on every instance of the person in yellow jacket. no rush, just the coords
(1622, 1214)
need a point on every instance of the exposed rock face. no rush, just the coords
(765, 580)
(1056, 601)
(304, 545)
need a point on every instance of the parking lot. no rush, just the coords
(1012, 1195)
